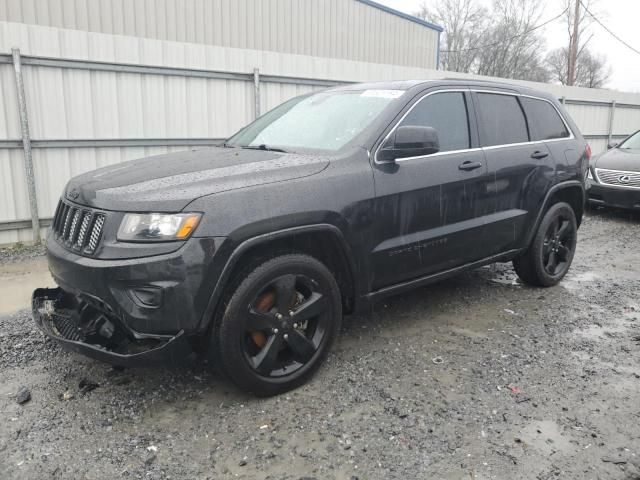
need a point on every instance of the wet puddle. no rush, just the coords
(19, 280)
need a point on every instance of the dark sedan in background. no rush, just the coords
(614, 176)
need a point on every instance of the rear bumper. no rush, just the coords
(80, 327)
(619, 197)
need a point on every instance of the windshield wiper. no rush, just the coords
(264, 147)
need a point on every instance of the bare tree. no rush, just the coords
(557, 62)
(464, 22)
(514, 44)
(591, 70)
(575, 64)
(501, 42)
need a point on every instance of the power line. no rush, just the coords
(510, 38)
(607, 29)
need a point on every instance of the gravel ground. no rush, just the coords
(475, 377)
(19, 253)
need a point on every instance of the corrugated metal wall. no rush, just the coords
(346, 29)
(71, 103)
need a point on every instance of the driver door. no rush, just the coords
(431, 210)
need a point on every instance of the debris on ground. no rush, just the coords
(23, 395)
(87, 386)
(67, 395)
(437, 360)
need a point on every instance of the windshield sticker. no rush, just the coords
(382, 93)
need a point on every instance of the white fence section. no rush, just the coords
(347, 29)
(95, 99)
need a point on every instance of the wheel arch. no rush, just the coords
(571, 192)
(325, 242)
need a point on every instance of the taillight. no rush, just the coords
(587, 151)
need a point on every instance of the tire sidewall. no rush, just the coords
(227, 337)
(554, 211)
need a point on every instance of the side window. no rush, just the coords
(501, 120)
(544, 119)
(447, 113)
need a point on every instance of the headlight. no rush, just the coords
(157, 227)
(589, 174)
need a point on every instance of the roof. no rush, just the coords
(406, 16)
(437, 82)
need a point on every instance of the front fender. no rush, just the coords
(232, 251)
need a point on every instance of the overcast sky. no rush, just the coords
(621, 16)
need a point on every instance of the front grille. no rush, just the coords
(78, 228)
(618, 178)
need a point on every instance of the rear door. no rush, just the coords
(521, 167)
(429, 210)
(547, 125)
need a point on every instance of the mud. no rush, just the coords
(533, 384)
(19, 279)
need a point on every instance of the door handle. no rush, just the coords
(539, 155)
(469, 165)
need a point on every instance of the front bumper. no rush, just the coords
(82, 327)
(157, 295)
(619, 197)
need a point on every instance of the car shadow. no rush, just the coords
(610, 213)
(428, 308)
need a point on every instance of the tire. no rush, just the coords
(278, 325)
(551, 252)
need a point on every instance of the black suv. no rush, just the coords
(253, 250)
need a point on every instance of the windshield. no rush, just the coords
(633, 142)
(323, 121)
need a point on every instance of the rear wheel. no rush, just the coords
(551, 252)
(278, 325)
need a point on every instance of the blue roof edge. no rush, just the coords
(406, 16)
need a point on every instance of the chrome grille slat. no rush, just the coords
(82, 232)
(67, 223)
(74, 226)
(96, 231)
(616, 177)
(56, 216)
(77, 228)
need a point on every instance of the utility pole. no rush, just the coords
(573, 46)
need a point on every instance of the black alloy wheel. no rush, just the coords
(278, 324)
(285, 325)
(559, 240)
(549, 256)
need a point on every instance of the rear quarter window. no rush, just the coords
(544, 120)
(502, 120)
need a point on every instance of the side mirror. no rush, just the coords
(411, 141)
(611, 145)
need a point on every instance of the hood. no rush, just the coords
(619, 159)
(168, 183)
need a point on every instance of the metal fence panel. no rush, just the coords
(626, 120)
(347, 29)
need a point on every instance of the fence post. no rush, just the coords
(256, 91)
(612, 113)
(563, 100)
(26, 146)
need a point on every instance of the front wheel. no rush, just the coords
(551, 252)
(278, 325)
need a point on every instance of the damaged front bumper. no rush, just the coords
(86, 326)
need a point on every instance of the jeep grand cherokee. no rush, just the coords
(253, 250)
